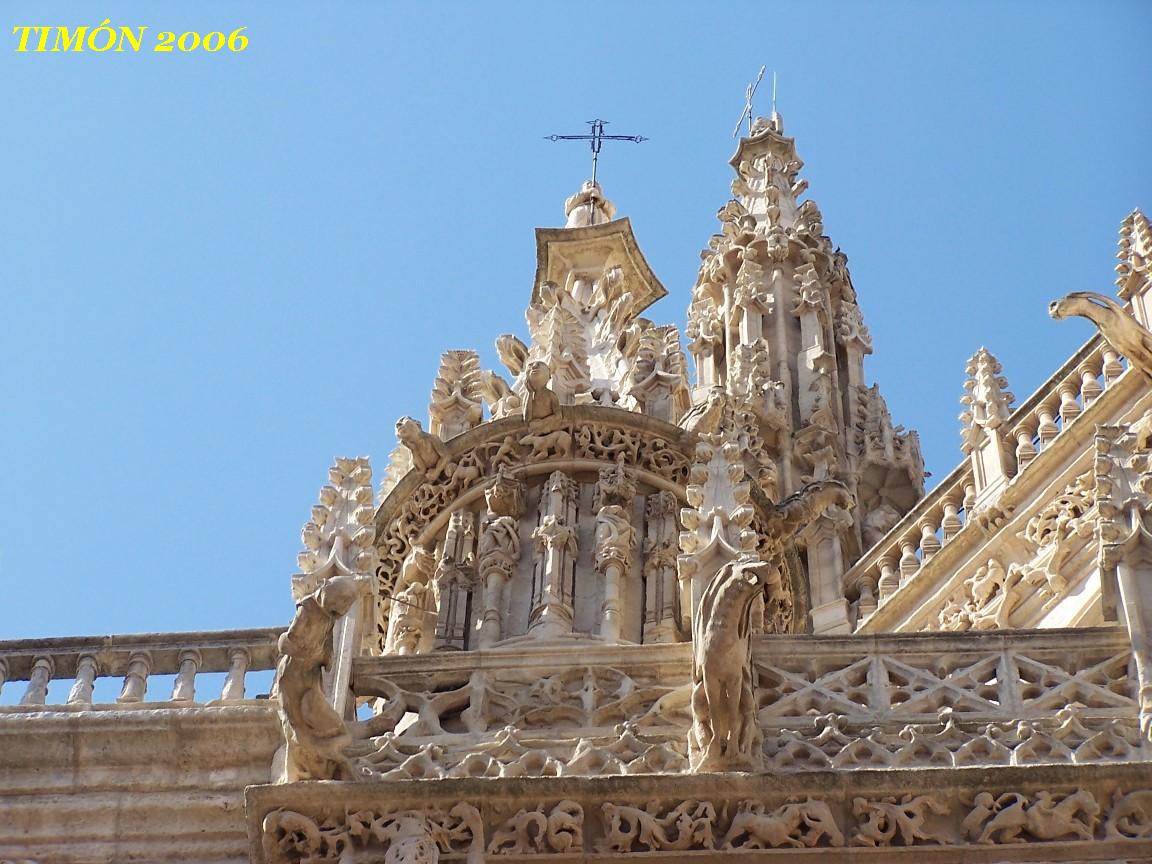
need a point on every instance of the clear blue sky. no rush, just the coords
(221, 271)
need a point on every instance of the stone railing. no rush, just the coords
(987, 698)
(956, 700)
(136, 659)
(1037, 425)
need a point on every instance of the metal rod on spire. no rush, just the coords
(595, 140)
(773, 92)
(748, 94)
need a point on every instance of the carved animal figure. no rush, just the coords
(1044, 819)
(706, 418)
(315, 735)
(724, 729)
(1115, 323)
(888, 820)
(795, 824)
(428, 451)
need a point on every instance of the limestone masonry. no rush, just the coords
(600, 607)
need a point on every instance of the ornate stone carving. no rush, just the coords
(555, 539)
(1122, 469)
(1130, 817)
(796, 824)
(688, 825)
(1014, 818)
(985, 601)
(457, 395)
(394, 837)
(412, 604)
(338, 538)
(615, 541)
(540, 403)
(894, 821)
(559, 830)
(1116, 324)
(425, 449)
(662, 613)
(724, 735)
(315, 735)
(987, 407)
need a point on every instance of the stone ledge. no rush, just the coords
(692, 816)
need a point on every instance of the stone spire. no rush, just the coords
(774, 324)
(987, 405)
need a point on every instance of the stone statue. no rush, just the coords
(314, 734)
(540, 403)
(724, 734)
(428, 451)
(1116, 325)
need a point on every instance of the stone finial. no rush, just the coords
(1134, 252)
(988, 404)
(456, 404)
(987, 399)
(588, 207)
(338, 538)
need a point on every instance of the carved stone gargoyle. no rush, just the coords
(314, 734)
(1122, 331)
(725, 735)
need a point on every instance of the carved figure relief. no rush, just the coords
(314, 734)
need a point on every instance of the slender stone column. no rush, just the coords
(239, 661)
(184, 688)
(41, 674)
(615, 538)
(81, 692)
(499, 552)
(136, 681)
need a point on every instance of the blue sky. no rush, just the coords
(223, 270)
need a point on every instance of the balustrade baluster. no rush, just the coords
(136, 680)
(866, 605)
(1113, 368)
(1046, 428)
(969, 500)
(909, 563)
(184, 688)
(234, 683)
(929, 542)
(42, 670)
(1069, 408)
(1025, 450)
(889, 578)
(81, 692)
(1089, 385)
(950, 525)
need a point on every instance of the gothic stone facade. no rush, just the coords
(598, 607)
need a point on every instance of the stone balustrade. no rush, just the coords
(137, 659)
(1035, 426)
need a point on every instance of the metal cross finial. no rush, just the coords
(748, 94)
(596, 140)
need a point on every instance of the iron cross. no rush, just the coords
(596, 140)
(748, 94)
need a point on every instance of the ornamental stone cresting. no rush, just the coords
(606, 602)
